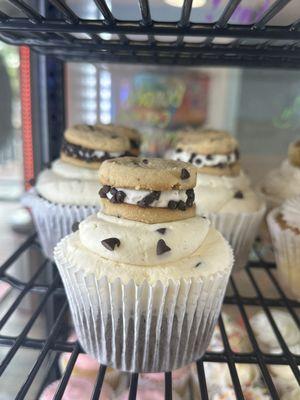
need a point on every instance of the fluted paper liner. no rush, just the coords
(286, 245)
(53, 221)
(142, 328)
(240, 230)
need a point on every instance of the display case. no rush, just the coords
(56, 34)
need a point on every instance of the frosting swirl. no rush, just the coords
(133, 242)
(290, 210)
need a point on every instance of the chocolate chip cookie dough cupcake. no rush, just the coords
(134, 136)
(145, 277)
(66, 192)
(223, 191)
(283, 182)
(284, 227)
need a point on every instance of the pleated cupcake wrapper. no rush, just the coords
(240, 230)
(53, 221)
(142, 328)
(287, 254)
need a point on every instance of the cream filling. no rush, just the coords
(138, 241)
(203, 160)
(134, 196)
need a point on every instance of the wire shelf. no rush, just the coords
(256, 44)
(56, 341)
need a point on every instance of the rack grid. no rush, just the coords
(259, 44)
(52, 342)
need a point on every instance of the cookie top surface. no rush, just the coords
(97, 137)
(208, 142)
(294, 153)
(148, 174)
(131, 133)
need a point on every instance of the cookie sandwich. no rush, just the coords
(143, 265)
(223, 192)
(65, 192)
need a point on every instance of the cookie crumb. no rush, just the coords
(238, 195)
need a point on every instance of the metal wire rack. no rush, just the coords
(53, 32)
(55, 340)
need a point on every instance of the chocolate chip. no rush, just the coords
(209, 157)
(161, 247)
(103, 191)
(184, 174)
(221, 165)
(198, 161)
(189, 203)
(145, 161)
(161, 230)
(190, 194)
(198, 264)
(193, 155)
(75, 226)
(114, 199)
(114, 136)
(113, 191)
(237, 154)
(238, 195)
(120, 196)
(149, 199)
(178, 150)
(181, 205)
(172, 205)
(111, 243)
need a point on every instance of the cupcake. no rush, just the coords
(77, 388)
(266, 337)
(283, 378)
(66, 192)
(284, 182)
(180, 380)
(284, 227)
(148, 393)
(87, 367)
(145, 277)
(223, 191)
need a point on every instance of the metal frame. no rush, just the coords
(52, 342)
(252, 45)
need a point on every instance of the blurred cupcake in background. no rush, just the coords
(67, 192)
(87, 367)
(266, 337)
(148, 393)
(283, 182)
(284, 227)
(77, 389)
(223, 192)
(180, 380)
(284, 379)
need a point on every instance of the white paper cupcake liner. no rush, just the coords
(142, 328)
(240, 230)
(287, 254)
(53, 221)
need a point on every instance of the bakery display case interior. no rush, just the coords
(84, 82)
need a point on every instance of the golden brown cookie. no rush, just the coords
(146, 215)
(148, 174)
(149, 190)
(134, 136)
(294, 153)
(89, 145)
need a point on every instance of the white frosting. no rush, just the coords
(291, 212)
(71, 171)
(133, 196)
(216, 194)
(68, 184)
(266, 336)
(138, 241)
(201, 160)
(214, 254)
(282, 183)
